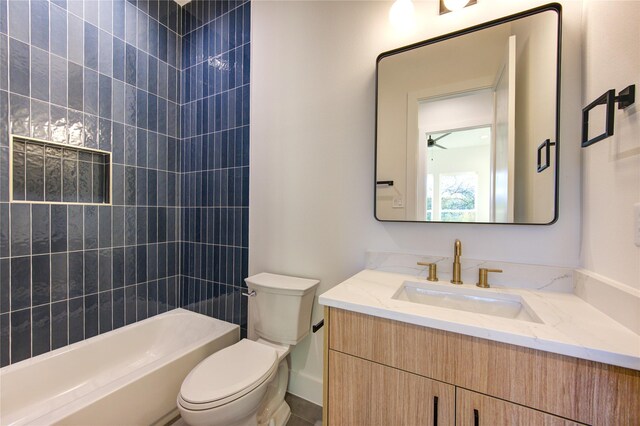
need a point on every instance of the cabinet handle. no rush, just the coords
(435, 411)
(476, 418)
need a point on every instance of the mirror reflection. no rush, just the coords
(460, 120)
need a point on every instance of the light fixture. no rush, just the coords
(401, 15)
(447, 6)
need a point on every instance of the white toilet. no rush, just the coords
(245, 384)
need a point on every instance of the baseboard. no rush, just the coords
(306, 387)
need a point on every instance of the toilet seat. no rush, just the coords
(228, 375)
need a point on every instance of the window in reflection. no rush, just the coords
(457, 197)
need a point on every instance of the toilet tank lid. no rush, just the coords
(281, 282)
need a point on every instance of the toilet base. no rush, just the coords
(274, 410)
(281, 415)
(249, 421)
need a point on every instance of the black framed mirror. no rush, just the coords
(460, 119)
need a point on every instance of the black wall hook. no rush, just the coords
(626, 97)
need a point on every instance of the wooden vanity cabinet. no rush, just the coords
(384, 372)
(365, 393)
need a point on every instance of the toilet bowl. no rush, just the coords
(228, 387)
(245, 384)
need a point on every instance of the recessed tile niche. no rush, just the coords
(48, 172)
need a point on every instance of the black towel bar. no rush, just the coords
(546, 144)
(626, 97)
(318, 326)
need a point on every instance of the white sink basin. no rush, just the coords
(464, 299)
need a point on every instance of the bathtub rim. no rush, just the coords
(58, 352)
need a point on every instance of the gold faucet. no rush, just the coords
(433, 270)
(483, 274)
(457, 252)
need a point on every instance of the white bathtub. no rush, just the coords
(130, 376)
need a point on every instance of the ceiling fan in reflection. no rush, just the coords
(432, 142)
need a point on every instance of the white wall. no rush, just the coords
(312, 151)
(611, 168)
(473, 109)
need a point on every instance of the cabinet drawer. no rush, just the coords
(364, 393)
(585, 391)
(474, 409)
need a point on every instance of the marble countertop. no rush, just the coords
(570, 326)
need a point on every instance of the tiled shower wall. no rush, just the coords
(215, 158)
(100, 74)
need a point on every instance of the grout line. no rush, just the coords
(68, 279)
(50, 269)
(31, 280)
(10, 280)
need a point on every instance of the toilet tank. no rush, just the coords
(282, 306)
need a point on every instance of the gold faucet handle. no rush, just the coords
(483, 277)
(433, 270)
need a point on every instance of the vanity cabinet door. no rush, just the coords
(475, 409)
(364, 393)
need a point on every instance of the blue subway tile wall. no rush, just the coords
(164, 89)
(215, 158)
(101, 74)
